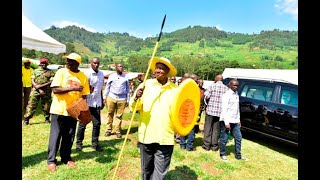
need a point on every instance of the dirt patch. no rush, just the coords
(126, 173)
(211, 170)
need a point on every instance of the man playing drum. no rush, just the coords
(68, 85)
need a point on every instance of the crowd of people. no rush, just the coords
(152, 99)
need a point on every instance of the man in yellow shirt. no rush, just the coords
(26, 82)
(155, 133)
(68, 85)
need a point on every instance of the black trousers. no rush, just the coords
(26, 95)
(96, 120)
(211, 132)
(155, 160)
(62, 131)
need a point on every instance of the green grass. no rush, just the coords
(267, 159)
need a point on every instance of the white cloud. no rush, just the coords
(62, 24)
(139, 35)
(288, 7)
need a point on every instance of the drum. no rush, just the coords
(79, 110)
(85, 117)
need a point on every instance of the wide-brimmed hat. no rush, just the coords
(172, 69)
(74, 56)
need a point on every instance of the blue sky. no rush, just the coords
(143, 18)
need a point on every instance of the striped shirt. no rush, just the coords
(96, 80)
(215, 92)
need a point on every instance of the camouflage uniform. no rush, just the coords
(40, 76)
(136, 83)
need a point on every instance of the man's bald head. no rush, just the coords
(218, 78)
(95, 59)
(194, 77)
(186, 75)
(95, 63)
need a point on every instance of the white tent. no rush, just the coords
(35, 38)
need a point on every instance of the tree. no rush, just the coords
(265, 57)
(201, 44)
(106, 59)
(137, 63)
(69, 48)
(278, 58)
(85, 59)
(29, 53)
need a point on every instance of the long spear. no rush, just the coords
(135, 108)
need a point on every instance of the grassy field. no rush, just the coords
(267, 159)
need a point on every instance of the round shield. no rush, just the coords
(186, 107)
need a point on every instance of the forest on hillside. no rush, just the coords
(205, 51)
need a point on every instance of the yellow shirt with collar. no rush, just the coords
(26, 76)
(66, 78)
(155, 124)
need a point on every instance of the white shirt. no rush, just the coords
(96, 80)
(230, 112)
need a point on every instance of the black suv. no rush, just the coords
(268, 106)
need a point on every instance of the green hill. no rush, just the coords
(205, 51)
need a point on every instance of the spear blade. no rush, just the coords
(164, 19)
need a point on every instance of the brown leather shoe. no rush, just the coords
(119, 135)
(52, 167)
(108, 133)
(71, 164)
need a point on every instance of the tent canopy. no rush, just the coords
(35, 38)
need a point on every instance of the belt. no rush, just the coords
(95, 107)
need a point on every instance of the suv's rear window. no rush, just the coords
(257, 92)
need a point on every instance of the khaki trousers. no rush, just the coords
(115, 112)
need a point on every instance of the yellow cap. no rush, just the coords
(74, 56)
(26, 61)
